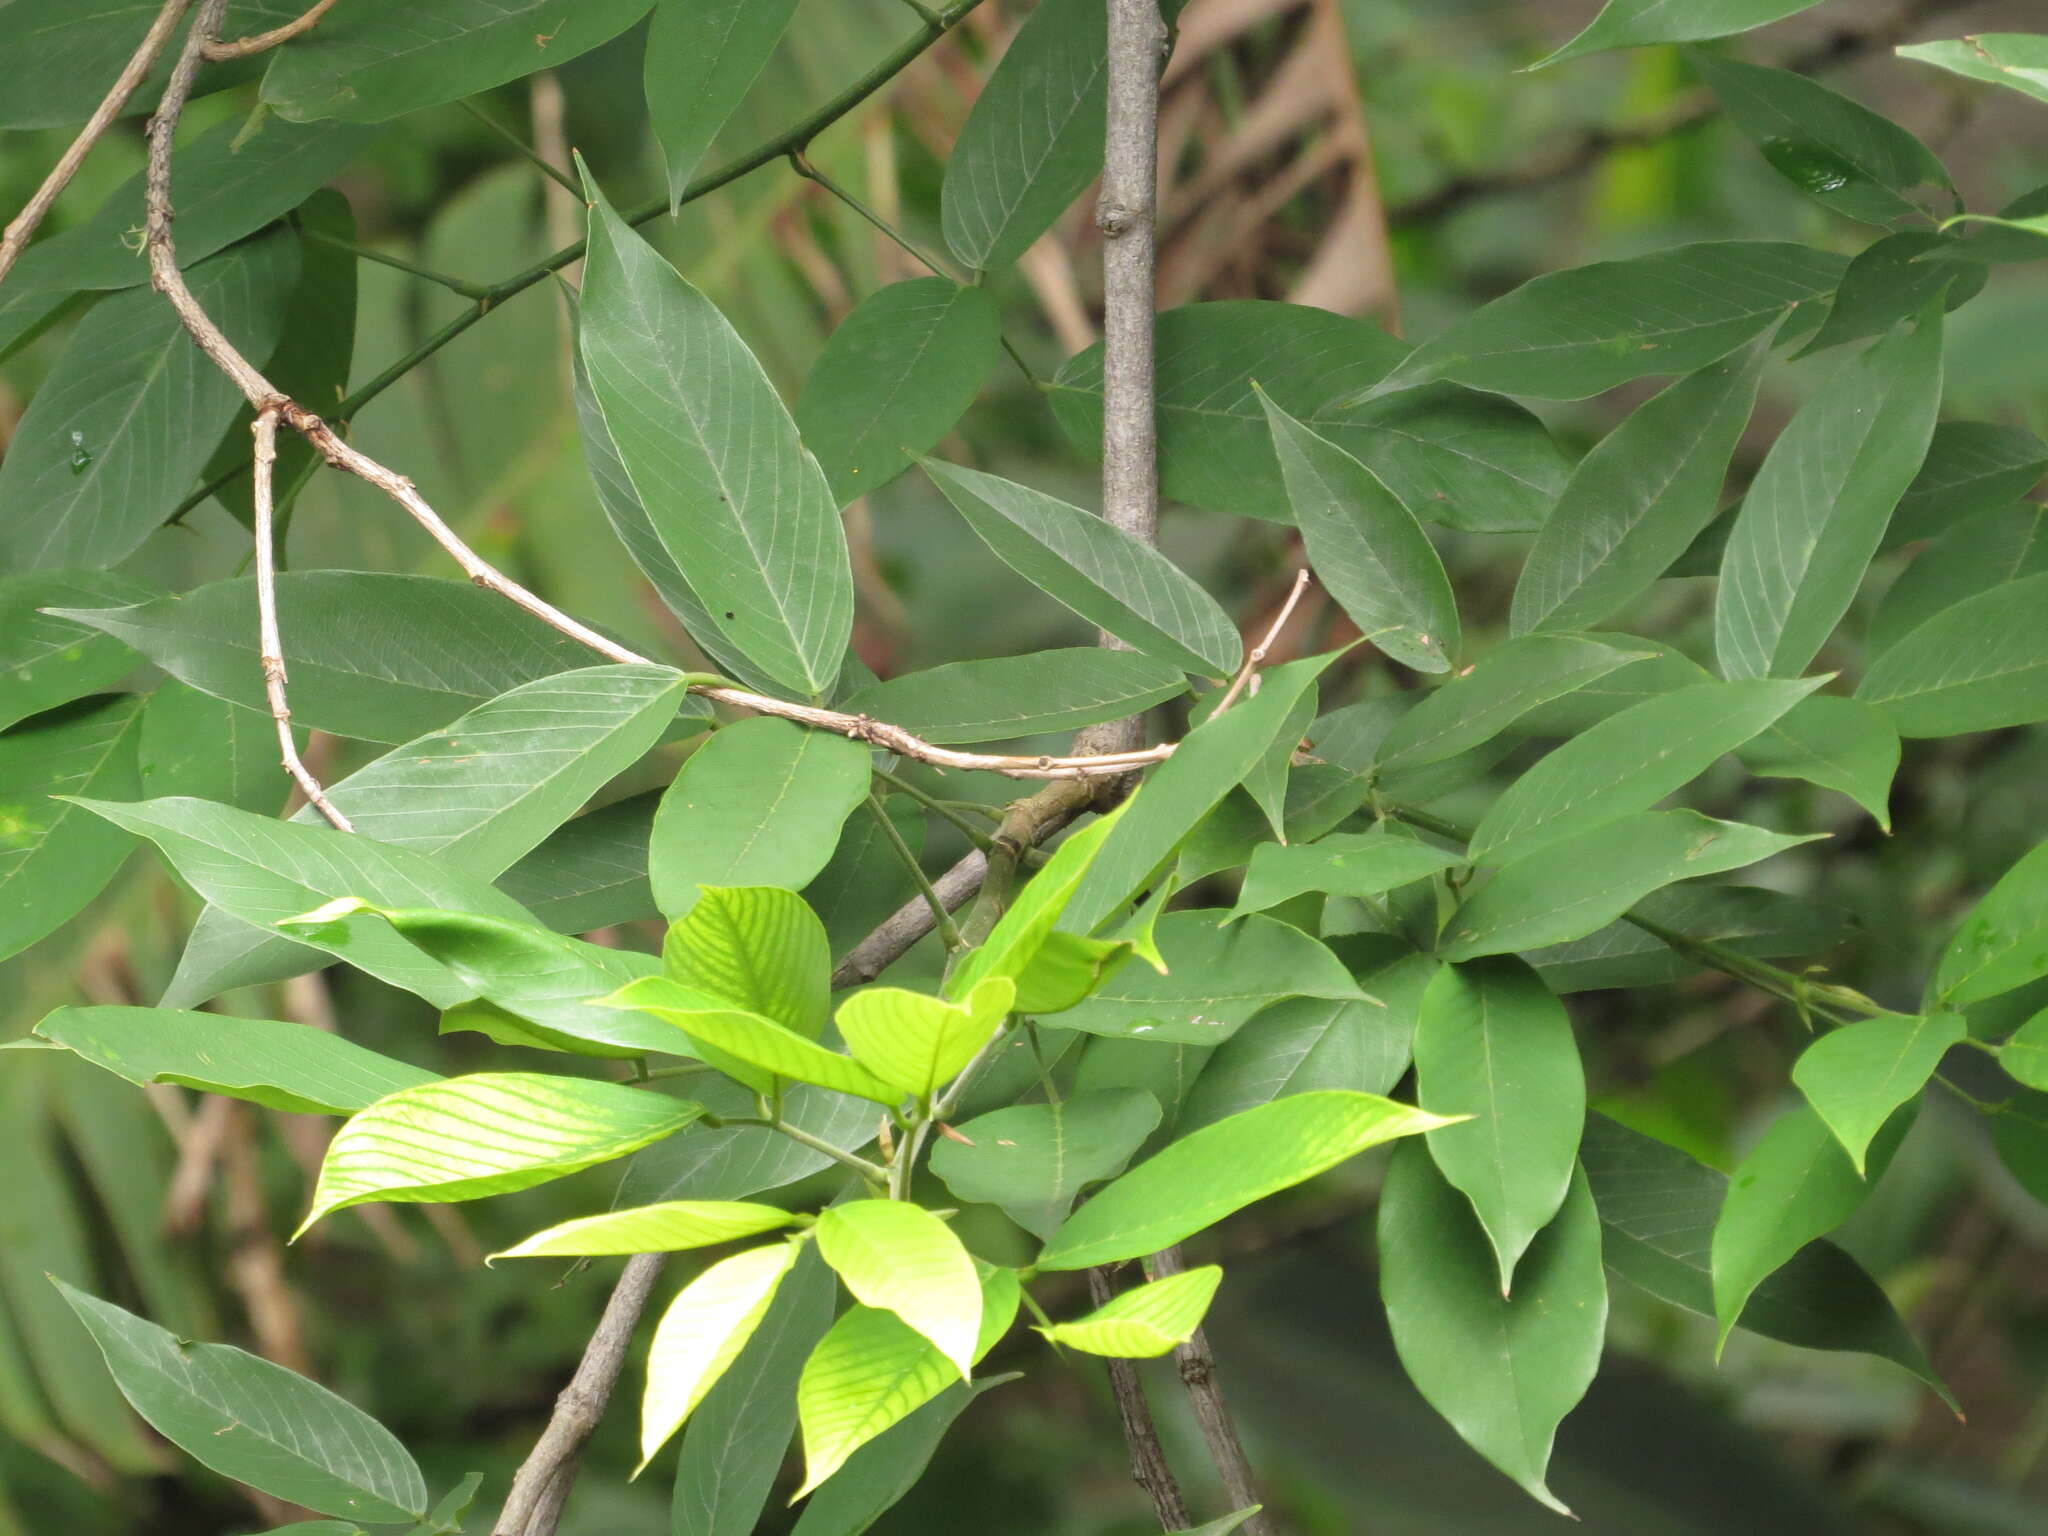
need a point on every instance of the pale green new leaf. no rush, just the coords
(702, 1333)
(54, 856)
(1629, 761)
(702, 56)
(2003, 942)
(757, 948)
(488, 1133)
(1342, 864)
(918, 1043)
(1025, 927)
(1034, 1159)
(2017, 60)
(1101, 572)
(292, 1067)
(1837, 743)
(1978, 666)
(1005, 697)
(664, 1228)
(898, 1257)
(1857, 1076)
(1203, 1177)
(1145, 1321)
(715, 1026)
(1643, 23)
(254, 1421)
(1494, 1052)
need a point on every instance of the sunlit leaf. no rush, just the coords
(702, 1332)
(1144, 1321)
(898, 1257)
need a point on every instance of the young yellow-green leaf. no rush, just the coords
(1630, 761)
(1034, 1159)
(255, 1421)
(873, 1369)
(702, 56)
(1218, 974)
(1817, 510)
(1978, 666)
(292, 1067)
(1026, 924)
(1638, 500)
(1835, 150)
(1643, 23)
(665, 1228)
(756, 948)
(56, 855)
(45, 660)
(1224, 1167)
(1005, 697)
(734, 497)
(1857, 1076)
(2003, 942)
(1504, 1371)
(1795, 1185)
(1066, 970)
(487, 1134)
(1577, 885)
(1146, 1320)
(917, 1043)
(2024, 1056)
(760, 803)
(893, 378)
(1494, 1052)
(1109, 578)
(715, 1026)
(1342, 864)
(1570, 334)
(1367, 548)
(1837, 743)
(2016, 60)
(702, 1332)
(898, 1257)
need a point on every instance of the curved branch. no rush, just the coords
(262, 42)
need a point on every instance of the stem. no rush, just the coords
(526, 151)
(942, 919)
(262, 42)
(810, 172)
(968, 829)
(459, 285)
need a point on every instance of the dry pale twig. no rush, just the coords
(23, 225)
(1258, 653)
(261, 42)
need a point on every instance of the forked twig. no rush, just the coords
(1257, 654)
(261, 42)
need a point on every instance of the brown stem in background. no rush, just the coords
(1149, 1469)
(1205, 1395)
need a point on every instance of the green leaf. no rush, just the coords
(878, 1475)
(1022, 933)
(703, 1332)
(737, 1162)
(1795, 1185)
(1896, 279)
(916, 1043)
(1225, 1524)
(665, 1228)
(45, 660)
(117, 433)
(1210, 762)
(1978, 666)
(1479, 702)
(1856, 1077)
(735, 499)
(2017, 60)
(1504, 1371)
(1034, 1159)
(1145, 1321)
(894, 377)
(1218, 974)
(292, 1067)
(1642, 23)
(1835, 150)
(1999, 945)
(487, 1133)
(1101, 572)
(760, 803)
(873, 1369)
(1007, 697)
(1817, 510)
(1576, 885)
(1494, 1052)
(1664, 670)
(1746, 919)
(2025, 1055)
(2019, 1130)
(898, 1257)
(255, 1422)
(1837, 743)
(1464, 460)
(1370, 552)
(374, 656)
(755, 948)
(1033, 140)
(62, 54)
(1638, 500)
(1207, 1175)
(194, 744)
(1980, 553)
(702, 57)
(716, 1027)
(1630, 761)
(54, 857)
(384, 58)
(1342, 864)
(592, 871)
(736, 1438)
(1659, 1207)
(1971, 467)
(1570, 334)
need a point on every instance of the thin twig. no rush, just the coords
(942, 919)
(547, 166)
(23, 224)
(262, 42)
(976, 835)
(802, 165)
(459, 285)
(1257, 654)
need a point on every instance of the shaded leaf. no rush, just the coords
(54, 856)
(1857, 1076)
(702, 57)
(1837, 743)
(1980, 552)
(46, 660)
(1484, 699)
(1746, 919)
(1978, 666)
(194, 744)
(1894, 280)
(1010, 696)
(590, 872)
(1971, 467)
(1034, 1159)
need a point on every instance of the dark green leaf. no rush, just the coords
(1894, 280)
(2020, 1132)
(1011, 696)
(1747, 919)
(1642, 23)
(1484, 699)
(877, 1476)
(893, 379)
(195, 744)
(866, 880)
(54, 857)
(1837, 743)
(1857, 1076)
(45, 660)
(1971, 467)
(1034, 1159)
(1977, 666)
(1984, 551)
(1344, 864)
(591, 872)
(62, 54)
(702, 57)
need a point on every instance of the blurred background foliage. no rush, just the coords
(1377, 157)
